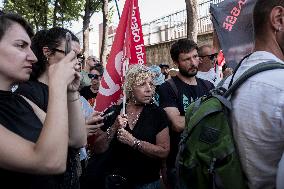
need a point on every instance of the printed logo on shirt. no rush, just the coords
(92, 101)
(186, 102)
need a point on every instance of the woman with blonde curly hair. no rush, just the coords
(139, 139)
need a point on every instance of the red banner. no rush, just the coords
(137, 42)
(128, 43)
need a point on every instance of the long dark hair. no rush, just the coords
(51, 38)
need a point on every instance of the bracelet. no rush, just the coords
(108, 133)
(136, 144)
(73, 100)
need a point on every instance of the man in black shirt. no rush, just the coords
(189, 88)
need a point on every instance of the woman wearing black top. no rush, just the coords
(140, 140)
(32, 144)
(48, 46)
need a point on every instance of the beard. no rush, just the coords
(185, 72)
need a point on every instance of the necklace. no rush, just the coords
(133, 117)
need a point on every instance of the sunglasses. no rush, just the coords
(79, 56)
(210, 56)
(94, 76)
(95, 60)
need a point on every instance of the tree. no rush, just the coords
(91, 6)
(105, 11)
(192, 28)
(33, 11)
(42, 14)
(67, 11)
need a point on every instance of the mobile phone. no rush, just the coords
(107, 115)
(68, 43)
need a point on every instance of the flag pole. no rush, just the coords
(124, 87)
(117, 9)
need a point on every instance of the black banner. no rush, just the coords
(232, 20)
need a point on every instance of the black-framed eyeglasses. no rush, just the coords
(79, 56)
(94, 76)
(210, 56)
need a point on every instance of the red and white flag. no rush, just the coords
(128, 44)
(221, 59)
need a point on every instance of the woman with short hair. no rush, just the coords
(32, 145)
(139, 140)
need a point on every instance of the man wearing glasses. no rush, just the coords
(208, 69)
(90, 92)
(90, 62)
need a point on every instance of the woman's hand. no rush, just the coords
(63, 73)
(75, 84)
(125, 137)
(121, 121)
(93, 123)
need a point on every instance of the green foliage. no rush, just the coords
(69, 10)
(46, 13)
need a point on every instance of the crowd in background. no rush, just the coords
(51, 137)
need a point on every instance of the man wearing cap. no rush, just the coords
(208, 69)
(90, 62)
(165, 68)
(158, 79)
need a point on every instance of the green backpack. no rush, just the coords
(207, 157)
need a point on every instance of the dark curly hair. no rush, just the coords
(51, 38)
(182, 46)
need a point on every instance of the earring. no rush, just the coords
(132, 98)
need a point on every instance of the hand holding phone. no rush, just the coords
(107, 115)
(68, 43)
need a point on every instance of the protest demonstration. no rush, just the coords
(141, 94)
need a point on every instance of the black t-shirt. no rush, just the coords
(137, 167)
(18, 116)
(37, 92)
(87, 93)
(186, 95)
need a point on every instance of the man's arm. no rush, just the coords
(169, 102)
(176, 119)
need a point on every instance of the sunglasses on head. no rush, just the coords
(96, 61)
(94, 76)
(81, 56)
(210, 56)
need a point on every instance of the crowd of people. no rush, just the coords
(51, 137)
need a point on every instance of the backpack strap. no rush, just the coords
(220, 84)
(269, 65)
(173, 87)
(206, 83)
(238, 66)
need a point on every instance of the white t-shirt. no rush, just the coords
(211, 75)
(258, 121)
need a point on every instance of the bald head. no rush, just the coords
(207, 58)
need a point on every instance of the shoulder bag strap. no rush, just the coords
(173, 87)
